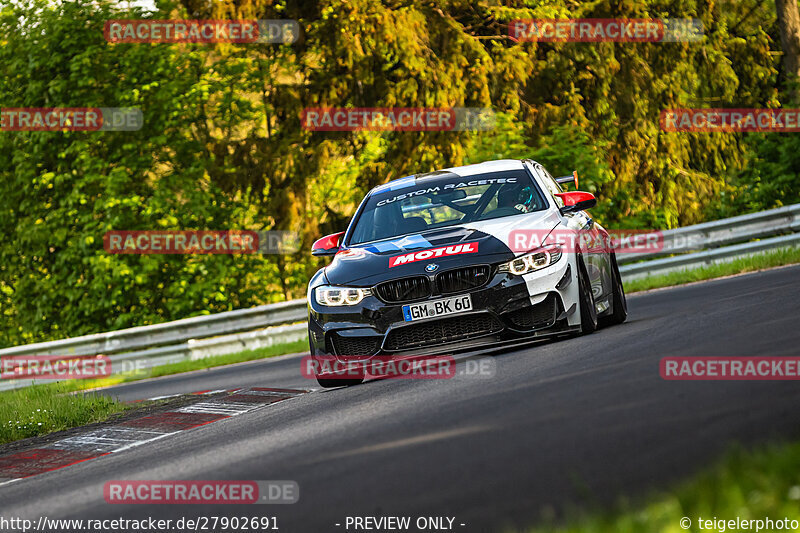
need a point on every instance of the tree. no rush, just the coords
(789, 26)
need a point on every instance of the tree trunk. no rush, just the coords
(789, 26)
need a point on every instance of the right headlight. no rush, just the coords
(538, 259)
(338, 296)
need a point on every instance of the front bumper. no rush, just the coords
(506, 309)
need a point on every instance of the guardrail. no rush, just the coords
(723, 232)
(181, 340)
(711, 242)
(178, 331)
(244, 329)
(708, 257)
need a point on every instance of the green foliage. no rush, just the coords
(772, 178)
(62, 191)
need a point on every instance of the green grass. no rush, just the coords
(42, 409)
(759, 484)
(783, 256)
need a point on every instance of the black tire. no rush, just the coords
(619, 303)
(330, 383)
(588, 310)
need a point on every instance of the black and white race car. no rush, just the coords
(454, 259)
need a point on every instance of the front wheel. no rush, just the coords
(588, 310)
(619, 304)
(329, 383)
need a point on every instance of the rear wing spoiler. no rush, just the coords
(572, 178)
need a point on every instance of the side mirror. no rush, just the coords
(328, 245)
(576, 201)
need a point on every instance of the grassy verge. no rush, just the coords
(783, 256)
(751, 485)
(42, 409)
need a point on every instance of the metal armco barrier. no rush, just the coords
(245, 329)
(723, 232)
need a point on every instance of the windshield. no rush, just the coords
(446, 200)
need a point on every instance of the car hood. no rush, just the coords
(450, 247)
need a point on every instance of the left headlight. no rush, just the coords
(338, 296)
(536, 260)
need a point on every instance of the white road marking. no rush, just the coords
(134, 444)
(220, 408)
(108, 439)
(114, 439)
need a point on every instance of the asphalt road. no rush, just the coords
(576, 421)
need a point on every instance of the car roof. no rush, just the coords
(463, 171)
(486, 167)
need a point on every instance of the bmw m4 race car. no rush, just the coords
(455, 259)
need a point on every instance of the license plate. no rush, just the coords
(446, 306)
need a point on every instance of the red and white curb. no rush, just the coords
(138, 431)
